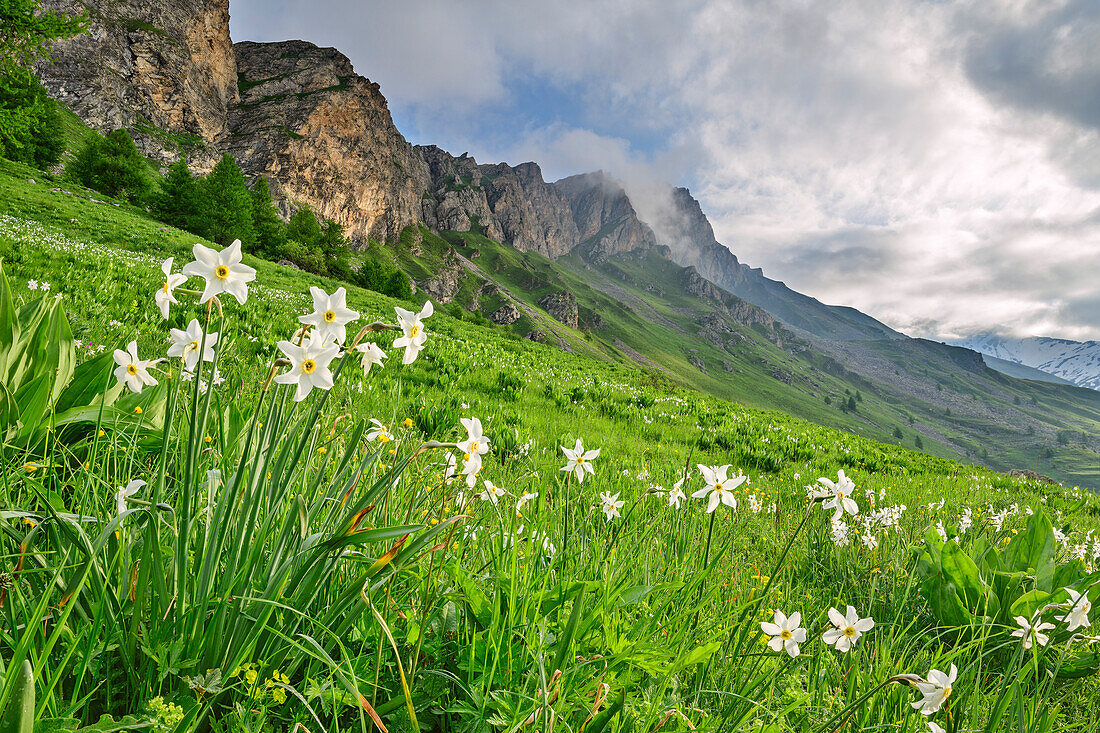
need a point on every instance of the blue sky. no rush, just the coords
(935, 164)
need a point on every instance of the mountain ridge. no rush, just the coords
(1077, 362)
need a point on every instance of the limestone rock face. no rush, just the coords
(506, 314)
(164, 70)
(325, 136)
(458, 199)
(606, 221)
(562, 306)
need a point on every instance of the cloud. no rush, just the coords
(936, 165)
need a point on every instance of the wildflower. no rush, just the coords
(786, 632)
(187, 344)
(413, 335)
(579, 460)
(124, 492)
(848, 628)
(610, 505)
(330, 316)
(451, 471)
(1079, 608)
(492, 493)
(933, 728)
(1031, 632)
(222, 271)
(840, 495)
(476, 442)
(378, 432)
(870, 542)
(677, 494)
(309, 366)
(526, 497)
(164, 296)
(718, 486)
(471, 468)
(32, 284)
(372, 355)
(45, 287)
(935, 690)
(132, 371)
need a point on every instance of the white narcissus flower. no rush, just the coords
(610, 505)
(840, 495)
(526, 497)
(451, 470)
(222, 271)
(475, 442)
(165, 296)
(412, 331)
(933, 728)
(934, 691)
(492, 493)
(786, 632)
(330, 316)
(677, 494)
(187, 345)
(848, 627)
(309, 366)
(125, 492)
(718, 487)
(1031, 632)
(870, 542)
(579, 461)
(378, 431)
(1079, 607)
(372, 355)
(470, 468)
(132, 371)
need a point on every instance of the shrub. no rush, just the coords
(30, 128)
(113, 166)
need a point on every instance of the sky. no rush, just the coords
(935, 164)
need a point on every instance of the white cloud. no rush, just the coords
(934, 164)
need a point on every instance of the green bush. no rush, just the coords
(30, 127)
(113, 166)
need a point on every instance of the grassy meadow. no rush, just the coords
(317, 565)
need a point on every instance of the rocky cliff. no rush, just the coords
(606, 221)
(164, 70)
(325, 137)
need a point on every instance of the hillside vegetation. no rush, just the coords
(318, 563)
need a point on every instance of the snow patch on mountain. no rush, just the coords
(1074, 361)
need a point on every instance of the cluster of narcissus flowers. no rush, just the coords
(310, 351)
(786, 632)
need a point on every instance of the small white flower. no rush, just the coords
(372, 355)
(45, 287)
(870, 542)
(132, 371)
(222, 271)
(526, 497)
(935, 690)
(1031, 632)
(840, 495)
(378, 431)
(579, 460)
(125, 492)
(413, 335)
(32, 284)
(165, 296)
(1079, 607)
(492, 493)
(309, 366)
(330, 316)
(718, 488)
(610, 505)
(934, 728)
(786, 632)
(676, 495)
(470, 468)
(475, 442)
(847, 629)
(187, 344)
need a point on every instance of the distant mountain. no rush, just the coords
(1077, 362)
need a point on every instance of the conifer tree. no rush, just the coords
(228, 204)
(270, 229)
(112, 165)
(179, 201)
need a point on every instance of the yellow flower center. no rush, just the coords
(580, 460)
(947, 692)
(193, 346)
(785, 634)
(718, 488)
(131, 369)
(221, 271)
(330, 316)
(165, 288)
(840, 495)
(384, 438)
(414, 331)
(309, 366)
(850, 632)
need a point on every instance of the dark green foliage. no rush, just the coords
(303, 227)
(113, 166)
(228, 204)
(26, 32)
(270, 229)
(918, 443)
(897, 433)
(179, 201)
(30, 128)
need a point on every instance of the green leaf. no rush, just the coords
(961, 571)
(1030, 602)
(1032, 548)
(18, 713)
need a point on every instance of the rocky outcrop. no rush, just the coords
(457, 200)
(164, 70)
(506, 315)
(448, 279)
(324, 135)
(606, 221)
(561, 306)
